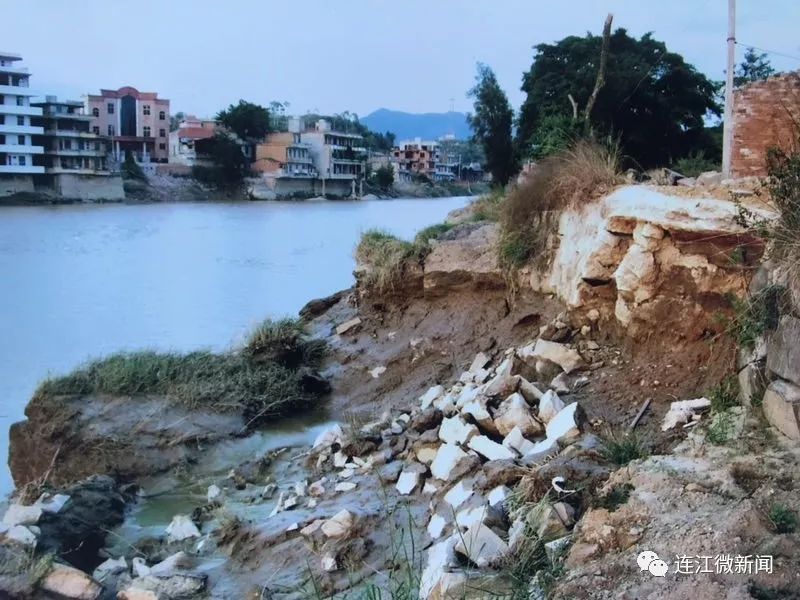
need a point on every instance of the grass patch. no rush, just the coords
(266, 379)
(616, 497)
(721, 429)
(783, 518)
(488, 207)
(725, 394)
(621, 448)
(529, 214)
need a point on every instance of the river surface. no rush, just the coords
(78, 282)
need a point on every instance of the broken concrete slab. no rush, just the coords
(181, 528)
(350, 325)
(497, 497)
(455, 430)
(549, 406)
(564, 424)
(478, 411)
(451, 463)
(681, 412)
(481, 545)
(479, 362)
(489, 449)
(458, 494)
(20, 514)
(436, 526)
(516, 441)
(540, 451)
(782, 408)
(514, 412)
(408, 481)
(560, 354)
(504, 382)
(441, 559)
(428, 398)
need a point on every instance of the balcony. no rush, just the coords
(17, 170)
(18, 90)
(12, 70)
(75, 152)
(19, 149)
(21, 129)
(13, 109)
(71, 133)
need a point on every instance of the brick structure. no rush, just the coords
(765, 114)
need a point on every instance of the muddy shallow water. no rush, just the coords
(83, 281)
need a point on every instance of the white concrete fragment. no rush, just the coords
(181, 528)
(214, 493)
(541, 450)
(441, 558)
(428, 398)
(447, 461)
(560, 354)
(458, 494)
(328, 562)
(19, 514)
(498, 496)
(481, 545)
(563, 425)
(377, 371)
(329, 436)
(110, 567)
(549, 406)
(471, 517)
(339, 525)
(348, 325)
(478, 411)
(516, 441)
(489, 449)
(407, 482)
(436, 526)
(454, 430)
(22, 534)
(345, 486)
(139, 567)
(52, 503)
(515, 412)
(681, 412)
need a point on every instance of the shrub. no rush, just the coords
(721, 428)
(754, 316)
(385, 257)
(783, 184)
(384, 177)
(131, 170)
(694, 164)
(622, 448)
(783, 518)
(530, 212)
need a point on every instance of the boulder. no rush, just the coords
(181, 528)
(455, 431)
(783, 357)
(564, 425)
(490, 449)
(514, 412)
(782, 408)
(562, 355)
(72, 583)
(339, 525)
(432, 395)
(549, 406)
(481, 545)
(516, 441)
(440, 560)
(504, 382)
(350, 325)
(451, 462)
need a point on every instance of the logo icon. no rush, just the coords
(649, 561)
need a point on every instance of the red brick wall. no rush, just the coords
(765, 114)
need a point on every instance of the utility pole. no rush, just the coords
(727, 129)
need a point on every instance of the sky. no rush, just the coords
(357, 55)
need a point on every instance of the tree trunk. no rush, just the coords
(601, 71)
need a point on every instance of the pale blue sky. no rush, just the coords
(360, 55)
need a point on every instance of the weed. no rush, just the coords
(425, 236)
(721, 428)
(725, 394)
(754, 316)
(615, 497)
(621, 448)
(783, 519)
(284, 342)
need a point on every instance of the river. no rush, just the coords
(78, 282)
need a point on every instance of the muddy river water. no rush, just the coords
(78, 282)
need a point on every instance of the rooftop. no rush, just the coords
(9, 56)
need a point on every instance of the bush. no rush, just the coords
(694, 164)
(131, 170)
(266, 379)
(721, 428)
(615, 497)
(783, 518)
(725, 394)
(530, 212)
(384, 177)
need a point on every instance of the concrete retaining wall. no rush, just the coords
(89, 187)
(15, 184)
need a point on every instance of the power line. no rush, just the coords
(797, 58)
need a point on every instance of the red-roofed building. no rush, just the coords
(182, 140)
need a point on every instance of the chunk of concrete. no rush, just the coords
(72, 583)
(339, 525)
(681, 411)
(52, 503)
(110, 568)
(489, 449)
(497, 497)
(432, 395)
(436, 526)
(458, 494)
(407, 482)
(481, 545)
(549, 406)
(540, 451)
(181, 528)
(454, 430)
(478, 411)
(782, 408)
(783, 357)
(350, 325)
(329, 436)
(516, 441)
(19, 514)
(564, 425)
(479, 362)
(504, 381)
(440, 560)
(515, 412)
(23, 534)
(214, 493)
(560, 354)
(451, 462)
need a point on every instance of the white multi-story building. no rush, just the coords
(16, 132)
(337, 155)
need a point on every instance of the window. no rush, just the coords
(21, 140)
(162, 146)
(95, 112)
(110, 130)
(96, 129)
(162, 116)
(145, 109)
(21, 161)
(162, 133)
(20, 120)
(110, 108)
(20, 101)
(146, 131)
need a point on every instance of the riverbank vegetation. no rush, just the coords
(272, 375)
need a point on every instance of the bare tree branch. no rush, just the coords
(574, 107)
(601, 71)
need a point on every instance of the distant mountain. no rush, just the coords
(429, 126)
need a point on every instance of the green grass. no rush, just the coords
(621, 448)
(488, 207)
(721, 429)
(264, 380)
(783, 518)
(725, 394)
(694, 164)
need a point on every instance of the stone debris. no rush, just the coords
(22, 534)
(213, 494)
(339, 525)
(436, 526)
(481, 545)
(497, 497)
(489, 449)
(682, 411)
(563, 425)
(377, 371)
(151, 587)
(19, 514)
(52, 503)
(328, 437)
(345, 486)
(317, 488)
(407, 482)
(350, 325)
(434, 581)
(72, 583)
(181, 528)
(458, 494)
(449, 462)
(782, 408)
(516, 441)
(328, 563)
(455, 431)
(515, 412)
(110, 568)
(562, 355)
(432, 395)
(549, 406)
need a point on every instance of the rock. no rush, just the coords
(52, 503)
(181, 528)
(328, 437)
(560, 354)
(551, 521)
(514, 412)
(19, 514)
(340, 459)
(489, 449)
(530, 392)
(516, 441)
(328, 563)
(540, 451)
(139, 566)
(481, 545)
(339, 525)
(564, 425)
(752, 383)
(69, 582)
(681, 411)
(312, 529)
(408, 481)
(173, 587)
(455, 431)
(426, 454)
(436, 526)
(180, 561)
(451, 462)
(390, 472)
(686, 182)
(555, 549)
(318, 306)
(377, 371)
(269, 491)
(345, 486)
(441, 559)
(350, 325)
(110, 568)
(468, 393)
(479, 362)
(560, 383)
(432, 395)
(458, 494)
(23, 534)
(782, 408)
(478, 411)
(500, 472)
(214, 493)
(783, 357)
(497, 496)
(317, 488)
(708, 178)
(549, 406)
(426, 419)
(504, 382)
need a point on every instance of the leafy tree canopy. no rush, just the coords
(230, 166)
(652, 99)
(247, 120)
(175, 120)
(754, 67)
(491, 123)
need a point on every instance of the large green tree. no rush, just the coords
(652, 99)
(247, 120)
(491, 125)
(754, 67)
